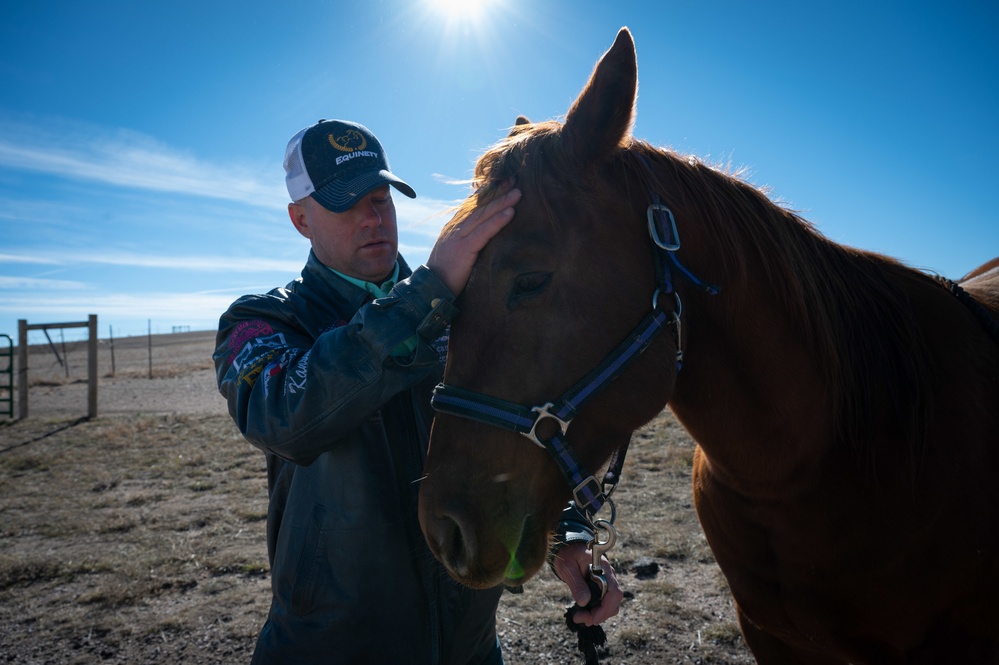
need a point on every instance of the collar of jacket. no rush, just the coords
(352, 288)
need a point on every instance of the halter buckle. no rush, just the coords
(670, 244)
(588, 493)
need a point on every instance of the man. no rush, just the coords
(331, 376)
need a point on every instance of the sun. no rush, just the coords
(461, 11)
(460, 25)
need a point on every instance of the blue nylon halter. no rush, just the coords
(587, 492)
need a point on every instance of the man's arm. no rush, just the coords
(293, 391)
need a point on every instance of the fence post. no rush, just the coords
(91, 366)
(22, 369)
(149, 337)
(111, 342)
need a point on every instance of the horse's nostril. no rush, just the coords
(447, 543)
(454, 548)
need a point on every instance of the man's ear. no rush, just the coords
(296, 211)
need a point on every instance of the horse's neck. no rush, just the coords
(750, 392)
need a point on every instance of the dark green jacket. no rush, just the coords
(310, 379)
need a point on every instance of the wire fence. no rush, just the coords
(59, 356)
(151, 356)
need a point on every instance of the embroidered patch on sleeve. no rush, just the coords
(243, 333)
(256, 354)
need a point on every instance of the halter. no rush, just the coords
(589, 494)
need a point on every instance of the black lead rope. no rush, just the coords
(588, 638)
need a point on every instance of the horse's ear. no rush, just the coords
(601, 118)
(521, 120)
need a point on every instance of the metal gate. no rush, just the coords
(6, 376)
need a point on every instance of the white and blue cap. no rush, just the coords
(337, 162)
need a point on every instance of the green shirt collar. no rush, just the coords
(378, 291)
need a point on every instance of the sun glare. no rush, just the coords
(465, 36)
(470, 11)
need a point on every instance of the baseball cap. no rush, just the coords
(337, 162)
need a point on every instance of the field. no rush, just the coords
(138, 536)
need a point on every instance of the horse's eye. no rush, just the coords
(529, 284)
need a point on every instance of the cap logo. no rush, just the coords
(349, 141)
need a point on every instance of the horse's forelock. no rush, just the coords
(493, 168)
(529, 153)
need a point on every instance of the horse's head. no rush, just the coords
(549, 298)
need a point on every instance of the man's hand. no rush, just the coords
(572, 565)
(456, 250)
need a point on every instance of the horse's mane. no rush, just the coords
(847, 304)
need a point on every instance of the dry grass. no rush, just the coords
(122, 535)
(139, 538)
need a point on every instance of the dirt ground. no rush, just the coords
(138, 536)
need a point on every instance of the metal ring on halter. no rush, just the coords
(610, 502)
(676, 296)
(675, 314)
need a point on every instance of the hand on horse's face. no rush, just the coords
(459, 244)
(572, 565)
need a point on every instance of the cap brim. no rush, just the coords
(340, 196)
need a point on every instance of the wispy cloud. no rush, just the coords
(35, 284)
(451, 180)
(210, 263)
(200, 310)
(129, 159)
(18, 258)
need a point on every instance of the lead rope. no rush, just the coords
(588, 638)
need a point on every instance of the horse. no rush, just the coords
(845, 406)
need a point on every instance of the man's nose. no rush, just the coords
(370, 214)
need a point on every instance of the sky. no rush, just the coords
(141, 142)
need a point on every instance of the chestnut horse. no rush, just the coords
(845, 406)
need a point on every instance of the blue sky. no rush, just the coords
(141, 142)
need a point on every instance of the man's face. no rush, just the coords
(362, 242)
